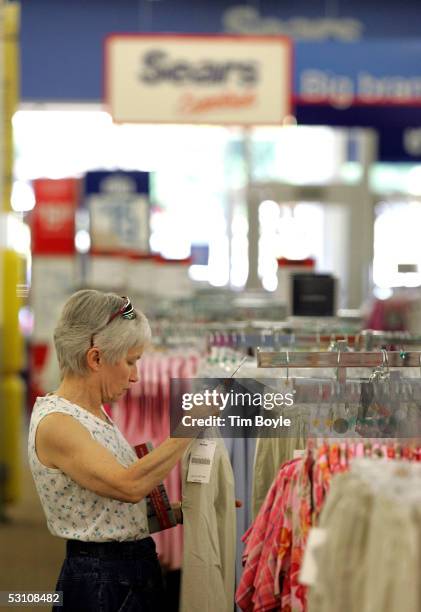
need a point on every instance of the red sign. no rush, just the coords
(309, 262)
(53, 218)
(38, 354)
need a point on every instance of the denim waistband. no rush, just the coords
(116, 550)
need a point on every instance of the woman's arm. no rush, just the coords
(62, 442)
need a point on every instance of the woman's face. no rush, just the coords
(116, 378)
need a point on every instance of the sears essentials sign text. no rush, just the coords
(234, 80)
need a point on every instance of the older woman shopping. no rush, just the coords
(91, 485)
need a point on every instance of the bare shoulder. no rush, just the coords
(58, 429)
(59, 434)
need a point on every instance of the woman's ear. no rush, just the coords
(93, 359)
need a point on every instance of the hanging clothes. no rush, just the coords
(311, 491)
(371, 555)
(208, 578)
(271, 453)
(275, 544)
(241, 453)
(392, 410)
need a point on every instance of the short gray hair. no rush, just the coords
(86, 314)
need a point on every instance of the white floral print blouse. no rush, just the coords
(72, 511)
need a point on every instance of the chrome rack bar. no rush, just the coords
(276, 339)
(304, 359)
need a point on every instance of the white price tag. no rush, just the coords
(298, 453)
(308, 573)
(201, 460)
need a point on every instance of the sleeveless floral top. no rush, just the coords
(72, 511)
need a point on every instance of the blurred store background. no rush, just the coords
(216, 228)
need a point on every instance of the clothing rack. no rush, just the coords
(280, 334)
(339, 360)
(370, 339)
(267, 338)
(327, 359)
(294, 504)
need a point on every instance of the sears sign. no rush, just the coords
(234, 80)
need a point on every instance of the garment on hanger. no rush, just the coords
(275, 544)
(371, 555)
(208, 577)
(221, 363)
(299, 495)
(314, 416)
(241, 453)
(271, 453)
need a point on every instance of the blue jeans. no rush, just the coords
(111, 577)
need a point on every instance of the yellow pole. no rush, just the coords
(11, 21)
(12, 391)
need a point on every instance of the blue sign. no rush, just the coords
(199, 254)
(119, 181)
(56, 67)
(356, 64)
(370, 72)
(399, 128)
(375, 84)
(119, 210)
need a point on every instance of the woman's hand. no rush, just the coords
(178, 512)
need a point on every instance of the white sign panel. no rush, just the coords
(235, 80)
(108, 273)
(172, 281)
(142, 277)
(54, 279)
(119, 222)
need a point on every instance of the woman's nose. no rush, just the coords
(134, 375)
